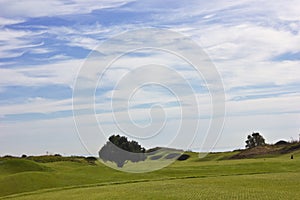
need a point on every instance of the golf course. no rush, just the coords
(149, 100)
(220, 175)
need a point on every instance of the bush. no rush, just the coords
(183, 157)
(91, 160)
(281, 142)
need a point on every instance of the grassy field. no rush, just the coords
(213, 177)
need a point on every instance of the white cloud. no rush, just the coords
(37, 105)
(36, 8)
(63, 72)
(7, 21)
(83, 42)
(15, 43)
(245, 53)
(243, 72)
(242, 41)
(272, 105)
(85, 36)
(280, 9)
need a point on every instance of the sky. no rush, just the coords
(44, 45)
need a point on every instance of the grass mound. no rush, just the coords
(268, 151)
(172, 155)
(11, 166)
(156, 157)
(218, 156)
(57, 158)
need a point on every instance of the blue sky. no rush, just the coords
(253, 44)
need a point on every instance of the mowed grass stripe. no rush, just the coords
(259, 186)
(54, 189)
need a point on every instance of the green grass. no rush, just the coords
(264, 186)
(212, 177)
(11, 166)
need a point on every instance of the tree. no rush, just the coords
(119, 150)
(91, 160)
(255, 140)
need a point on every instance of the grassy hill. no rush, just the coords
(216, 176)
(268, 151)
(13, 166)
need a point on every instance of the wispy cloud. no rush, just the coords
(254, 45)
(15, 43)
(63, 72)
(7, 21)
(35, 8)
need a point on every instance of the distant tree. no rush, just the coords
(255, 140)
(24, 156)
(119, 150)
(91, 160)
(281, 142)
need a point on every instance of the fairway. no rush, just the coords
(213, 177)
(263, 186)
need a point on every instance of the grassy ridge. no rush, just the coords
(18, 176)
(12, 166)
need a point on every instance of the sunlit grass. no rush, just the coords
(208, 178)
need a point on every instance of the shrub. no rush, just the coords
(183, 157)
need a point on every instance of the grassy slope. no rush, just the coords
(268, 151)
(12, 166)
(70, 178)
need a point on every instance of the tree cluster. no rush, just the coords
(255, 140)
(120, 150)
